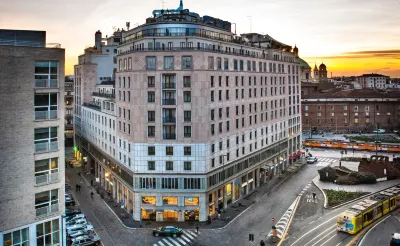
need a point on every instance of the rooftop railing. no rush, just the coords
(101, 94)
(92, 105)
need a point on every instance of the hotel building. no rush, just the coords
(200, 119)
(32, 146)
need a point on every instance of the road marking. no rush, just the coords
(324, 237)
(173, 241)
(329, 239)
(319, 235)
(366, 234)
(189, 236)
(184, 237)
(313, 230)
(166, 241)
(180, 240)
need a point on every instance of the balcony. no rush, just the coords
(106, 95)
(93, 105)
(46, 115)
(43, 211)
(46, 83)
(46, 147)
(169, 136)
(169, 119)
(169, 85)
(169, 102)
(47, 178)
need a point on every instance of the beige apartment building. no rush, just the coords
(202, 117)
(32, 146)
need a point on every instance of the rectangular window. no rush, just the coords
(151, 131)
(151, 150)
(169, 150)
(46, 106)
(187, 116)
(226, 64)
(186, 62)
(151, 81)
(187, 96)
(187, 165)
(186, 81)
(151, 62)
(46, 74)
(219, 63)
(46, 171)
(187, 131)
(46, 139)
(19, 237)
(187, 150)
(151, 166)
(151, 97)
(235, 64)
(168, 62)
(169, 165)
(47, 233)
(46, 202)
(241, 63)
(211, 62)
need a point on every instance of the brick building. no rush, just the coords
(351, 110)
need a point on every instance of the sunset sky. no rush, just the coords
(350, 36)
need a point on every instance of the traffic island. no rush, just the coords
(337, 197)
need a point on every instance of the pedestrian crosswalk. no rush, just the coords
(188, 237)
(323, 162)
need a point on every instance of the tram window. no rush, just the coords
(392, 203)
(379, 209)
(368, 216)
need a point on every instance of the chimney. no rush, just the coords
(97, 40)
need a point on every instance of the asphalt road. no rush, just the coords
(258, 218)
(380, 234)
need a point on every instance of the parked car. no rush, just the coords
(76, 222)
(72, 212)
(79, 227)
(70, 203)
(78, 234)
(379, 131)
(312, 159)
(167, 231)
(86, 240)
(75, 217)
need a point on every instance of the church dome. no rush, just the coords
(322, 67)
(303, 63)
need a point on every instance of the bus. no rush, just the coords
(367, 211)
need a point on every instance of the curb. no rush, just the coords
(286, 219)
(342, 204)
(290, 221)
(323, 192)
(220, 228)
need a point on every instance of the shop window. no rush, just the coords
(191, 201)
(170, 200)
(149, 200)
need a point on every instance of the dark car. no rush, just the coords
(167, 231)
(72, 212)
(70, 202)
(395, 239)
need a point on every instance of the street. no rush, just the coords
(312, 225)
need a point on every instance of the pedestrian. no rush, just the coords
(197, 229)
(91, 182)
(76, 187)
(79, 173)
(314, 195)
(262, 243)
(91, 194)
(79, 187)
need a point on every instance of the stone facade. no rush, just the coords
(18, 120)
(381, 167)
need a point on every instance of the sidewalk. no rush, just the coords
(227, 216)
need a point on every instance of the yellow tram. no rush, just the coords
(365, 212)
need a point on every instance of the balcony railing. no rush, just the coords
(92, 105)
(46, 115)
(169, 85)
(169, 119)
(46, 147)
(169, 101)
(55, 208)
(46, 83)
(47, 178)
(106, 95)
(169, 136)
